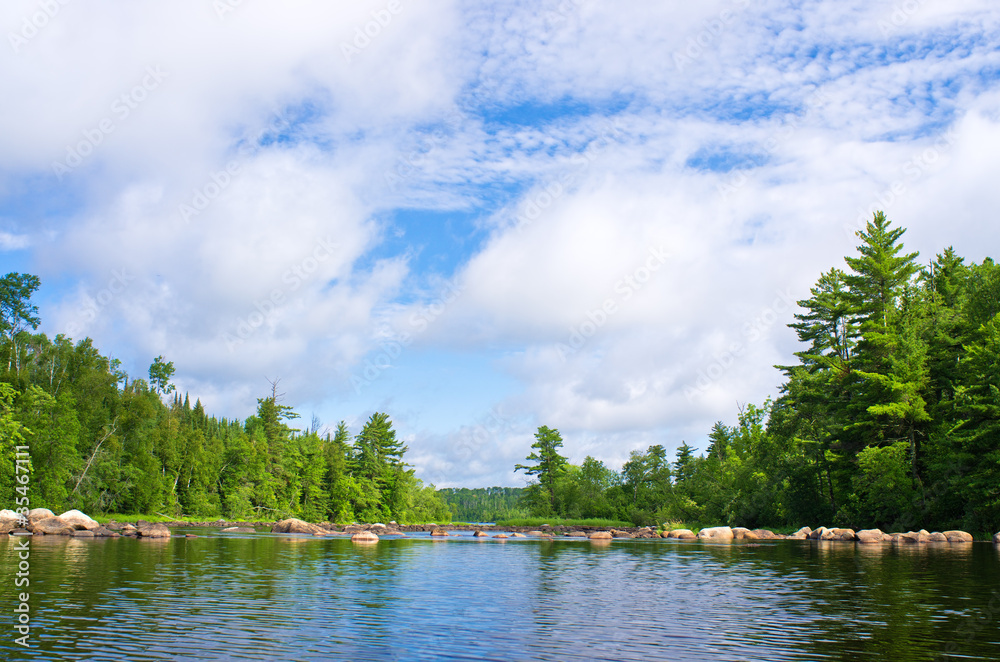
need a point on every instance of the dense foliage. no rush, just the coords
(890, 418)
(102, 442)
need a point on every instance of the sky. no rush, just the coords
(480, 217)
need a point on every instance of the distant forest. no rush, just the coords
(889, 418)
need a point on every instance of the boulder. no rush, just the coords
(152, 529)
(839, 534)
(103, 532)
(870, 536)
(818, 533)
(293, 525)
(9, 516)
(576, 534)
(958, 536)
(802, 533)
(83, 533)
(52, 526)
(600, 535)
(480, 534)
(79, 520)
(540, 534)
(501, 536)
(937, 536)
(720, 533)
(129, 530)
(740, 533)
(518, 535)
(364, 537)
(439, 532)
(996, 538)
(239, 529)
(765, 534)
(682, 534)
(39, 514)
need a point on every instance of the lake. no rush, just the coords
(268, 596)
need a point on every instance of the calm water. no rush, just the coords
(226, 597)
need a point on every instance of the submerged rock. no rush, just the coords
(576, 534)
(720, 533)
(239, 529)
(439, 532)
(364, 537)
(480, 534)
(152, 529)
(293, 525)
(502, 536)
(600, 535)
(682, 534)
(83, 533)
(518, 535)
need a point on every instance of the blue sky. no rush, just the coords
(482, 218)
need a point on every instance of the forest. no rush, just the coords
(889, 417)
(104, 442)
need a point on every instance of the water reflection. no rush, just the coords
(290, 597)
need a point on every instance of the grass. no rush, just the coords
(119, 517)
(556, 521)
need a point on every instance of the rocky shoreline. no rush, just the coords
(41, 521)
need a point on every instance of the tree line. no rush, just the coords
(889, 418)
(104, 442)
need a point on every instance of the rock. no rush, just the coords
(39, 514)
(721, 533)
(740, 533)
(439, 532)
(83, 533)
(129, 530)
(152, 529)
(518, 535)
(600, 535)
(958, 536)
(365, 537)
(839, 534)
(870, 536)
(103, 532)
(501, 535)
(937, 536)
(239, 529)
(765, 534)
(353, 528)
(802, 533)
(480, 534)
(51, 526)
(79, 520)
(818, 533)
(575, 534)
(539, 533)
(293, 525)
(682, 534)
(9, 516)
(996, 538)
